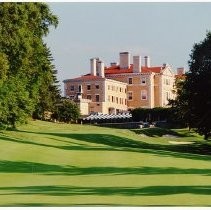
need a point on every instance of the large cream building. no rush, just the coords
(121, 87)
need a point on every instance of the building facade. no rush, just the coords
(122, 87)
(97, 94)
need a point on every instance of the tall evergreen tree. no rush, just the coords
(49, 93)
(195, 94)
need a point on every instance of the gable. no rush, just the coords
(168, 71)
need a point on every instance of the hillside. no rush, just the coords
(47, 164)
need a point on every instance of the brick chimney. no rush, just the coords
(180, 71)
(124, 58)
(147, 61)
(101, 69)
(136, 64)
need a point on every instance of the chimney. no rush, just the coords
(101, 69)
(180, 71)
(124, 58)
(147, 61)
(137, 64)
(93, 66)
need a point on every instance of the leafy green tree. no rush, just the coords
(25, 56)
(195, 98)
(67, 111)
(15, 106)
(4, 66)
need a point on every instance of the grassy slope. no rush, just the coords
(50, 164)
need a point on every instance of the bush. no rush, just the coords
(67, 111)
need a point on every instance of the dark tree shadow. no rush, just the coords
(126, 144)
(49, 169)
(154, 132)
(116, 143)
(106, 191)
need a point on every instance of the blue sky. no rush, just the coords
(164, 31)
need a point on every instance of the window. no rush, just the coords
(88, 87)
(130, 95)
(97, 86)
(167, 81)
(72, 88)
(143, 80)
(71, 97)
(109, 98)
(117, 100)
(143, 95)
(97, 97)
(80, 89)
(89, 97)
(112, 98)
(130, 80)
(167, 96)
(108, 87)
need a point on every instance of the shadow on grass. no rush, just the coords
(107, 142)
(73, 146)
(106, 191)
(62, 205)
(126, 144)
(48, 169)
(159, 132)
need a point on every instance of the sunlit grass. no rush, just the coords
(51, 164)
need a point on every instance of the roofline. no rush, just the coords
(81, 79)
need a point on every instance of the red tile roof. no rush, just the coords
(156, 69)
(117, 70)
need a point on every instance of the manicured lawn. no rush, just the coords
(47, 164)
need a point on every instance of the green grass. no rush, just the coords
(47, 164)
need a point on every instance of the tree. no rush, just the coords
(179, 106)
(49, 93)
(67, 111)
(25, 56)
(15, 106)
(195, 97)
(4, 66)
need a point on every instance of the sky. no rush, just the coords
(165, 31)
